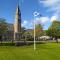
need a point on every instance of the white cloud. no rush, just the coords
(46, 19)
(27, 24)
(49, 3)
(53, 18)
(53, 5)
(42, 20)
(24, 22)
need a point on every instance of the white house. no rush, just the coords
(45, 37)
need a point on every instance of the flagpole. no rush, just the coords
(35, 15)
(34, 35)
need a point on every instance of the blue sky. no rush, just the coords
(49, 10)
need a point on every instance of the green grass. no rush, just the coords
(48, 51)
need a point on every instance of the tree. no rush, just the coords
(38, 30)
(28, 35)
(3, 28)
(54, 30)
(22, 32)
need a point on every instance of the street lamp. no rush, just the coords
(35, 15)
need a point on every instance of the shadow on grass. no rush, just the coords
(7, 44)
(20, 43)
(27, 43)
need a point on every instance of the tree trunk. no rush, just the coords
(56, 39)
(1, 38)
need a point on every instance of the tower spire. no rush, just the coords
(17, 24)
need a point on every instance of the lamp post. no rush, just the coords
(35, 15)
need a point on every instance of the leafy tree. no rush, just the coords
(54, 30)
(38, 30)
(22, 32)
(28, 34)
(3, 28)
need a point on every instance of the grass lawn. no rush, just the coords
(48, 51)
